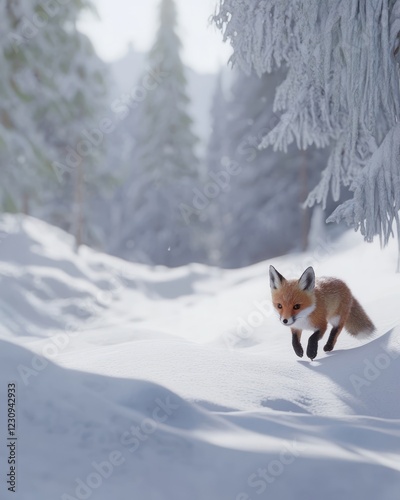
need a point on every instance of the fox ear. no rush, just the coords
(275, 279)
(307, 280)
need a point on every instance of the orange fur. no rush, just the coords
(310, 304)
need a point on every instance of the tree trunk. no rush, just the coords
(25, 203)
(77, 211)
(305, 214)
(398, 246)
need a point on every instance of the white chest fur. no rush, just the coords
(302, 321)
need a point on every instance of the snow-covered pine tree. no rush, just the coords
(72, 122)
(216, 161)
(262, 211)
(76, 129)
(52, 88)
(342, 88)
(164, 167)
(24, 163)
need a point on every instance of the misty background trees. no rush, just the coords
(53, 87)
(164, 166)
(177, 167)
(341, 90)
(261, 212)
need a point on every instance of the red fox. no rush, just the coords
(309, 304)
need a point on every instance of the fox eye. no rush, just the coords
(279, 306)
(296, 306)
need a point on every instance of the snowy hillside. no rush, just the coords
(154, 384)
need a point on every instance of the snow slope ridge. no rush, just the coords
(47, 286)
(363, 380)
(181, 384)
(70, 420)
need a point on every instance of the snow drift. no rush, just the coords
(157, 384)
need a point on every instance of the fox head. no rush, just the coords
(292, 299)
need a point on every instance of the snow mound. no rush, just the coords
(182, 384)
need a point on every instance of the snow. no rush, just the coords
(161, 384)
(341, 89)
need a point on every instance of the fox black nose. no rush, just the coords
(285, 321)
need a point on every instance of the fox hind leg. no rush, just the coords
(337, 323)
(333, 336)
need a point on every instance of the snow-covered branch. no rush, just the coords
(342, 84)
(376, 202)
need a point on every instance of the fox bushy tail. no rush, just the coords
(358, 320)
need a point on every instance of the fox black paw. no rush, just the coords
(297, 346)
(299, 351)
(312, 350)
(328, 347)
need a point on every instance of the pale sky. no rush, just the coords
(136, 21)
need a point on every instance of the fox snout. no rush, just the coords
(290, 314)
(286, 320)
(285, 317)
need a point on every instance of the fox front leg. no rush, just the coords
(312, 347)
(296, 334)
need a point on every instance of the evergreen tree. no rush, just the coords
(52, 88)
(74, 128)
(165, 167)
(24, 162)
(263, 216)
(216, 162)
(342, 88)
